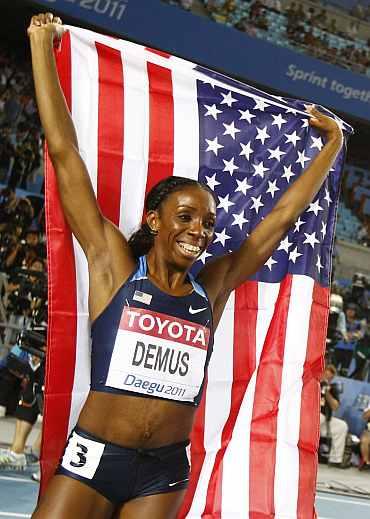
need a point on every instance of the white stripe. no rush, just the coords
(23, 480)
(186, 124)
(136, 137)
(235, 477)
(13, 514)
(288, 422)
(346, 501)
(218, 400)
(85, 116)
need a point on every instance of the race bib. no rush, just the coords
(82, 456)
(158, 354)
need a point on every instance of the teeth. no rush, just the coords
(191, 249)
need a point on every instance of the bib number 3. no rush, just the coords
(81, 455)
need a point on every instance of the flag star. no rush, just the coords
(212, 182)
(315, 207)
(276, 153)
(317, 143)
(288, 173)
(278, 120)
(311, 239)
(323, 229)
(203, 257)
(257, 204)
(262, 134)
(231, 130)
(245, 115)
(221, 237)
(210, 81)
(285, 244)
(327, 196)
(294, 254)
(302, 158)
(318, 263)
(213, 111)
(228, 99)
(259, 169)
(213, 145)
(291, 110)
(243, 186)
(304, 123)
(224, 203)
(270, 262)
(272, 188)
(298, 224)
(246, 150)
(260, 105)
(239, 220)
(292, 137)
(229, 165)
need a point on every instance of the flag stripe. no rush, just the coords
(260, 299)
(62, 305)
(288, 422)
(218, 401)
(309, 432)
(244, 364)
(265, 409)
(110, 131)
(161, 134)
(136, 142)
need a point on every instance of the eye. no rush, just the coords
(185, 217)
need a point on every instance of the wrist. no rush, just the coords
(41, 36)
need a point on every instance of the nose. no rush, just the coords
(197, 228)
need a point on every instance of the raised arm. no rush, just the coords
(105, 247)
(226, 273)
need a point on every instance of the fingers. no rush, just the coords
(44, 19)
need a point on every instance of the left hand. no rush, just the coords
(324, 124)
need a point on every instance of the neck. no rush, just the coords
(165, 274)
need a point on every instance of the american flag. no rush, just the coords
(140, 116)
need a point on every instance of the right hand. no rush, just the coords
(48, 24)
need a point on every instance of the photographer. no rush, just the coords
(336, 325)
(345, 348)
(362, 356)
(330, 426)
(29, 368)
(365, 442)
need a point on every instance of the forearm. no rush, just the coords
(54, 114)
(303, 191)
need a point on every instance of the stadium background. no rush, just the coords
(259, 48)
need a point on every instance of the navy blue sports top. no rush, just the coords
(149, 343)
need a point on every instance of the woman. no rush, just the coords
(127, 455)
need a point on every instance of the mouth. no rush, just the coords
(191, 251)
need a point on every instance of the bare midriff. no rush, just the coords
(136, 422)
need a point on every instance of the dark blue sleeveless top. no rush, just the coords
(151, 344)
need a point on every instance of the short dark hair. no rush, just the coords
(142, 240)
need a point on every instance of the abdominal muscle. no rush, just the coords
(137, 422)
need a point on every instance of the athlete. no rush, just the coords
(152, 323)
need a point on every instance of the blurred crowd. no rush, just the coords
(20, 133)
(348, 338)
(312, 29)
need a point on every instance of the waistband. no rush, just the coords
(115, 447)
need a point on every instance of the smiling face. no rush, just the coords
(185, 223)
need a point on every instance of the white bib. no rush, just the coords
(158, 355)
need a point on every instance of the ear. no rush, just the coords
(153, 221)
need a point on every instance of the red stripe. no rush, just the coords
(244, 364)
(265, 411)
(110, 131)
(198, 455)
(159, 52)
(62, 305)
(310, 421)
(161, 115)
